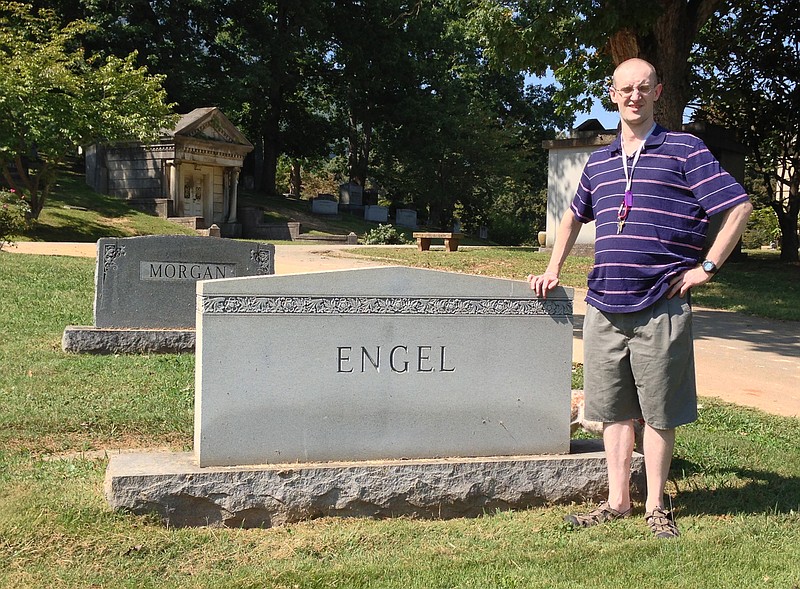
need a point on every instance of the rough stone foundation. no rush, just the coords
(98, 340)
(172, 486)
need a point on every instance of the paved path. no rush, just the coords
(740, 359)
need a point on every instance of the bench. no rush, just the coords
(450, 240)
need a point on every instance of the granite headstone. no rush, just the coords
(406, 218)
(350, 194)
(376, 213)
(379, 363)
(149, 282)
(323, 206)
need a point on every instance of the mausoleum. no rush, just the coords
(191, 175)
(568, 156)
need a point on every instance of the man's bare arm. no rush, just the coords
(734, 222)
(567, 233)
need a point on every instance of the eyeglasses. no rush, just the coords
(643, 90)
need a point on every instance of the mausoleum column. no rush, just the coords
(176, 191)
(234, 194)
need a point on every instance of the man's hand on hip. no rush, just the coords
(687, 280)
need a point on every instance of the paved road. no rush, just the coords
(740, 359)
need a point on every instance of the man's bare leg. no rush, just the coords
(658, 447)
(618, 439)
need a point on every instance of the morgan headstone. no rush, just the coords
(144, 300)
(149, 281)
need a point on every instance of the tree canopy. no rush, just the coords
(582, 41)
(54, 99)
(748, 67)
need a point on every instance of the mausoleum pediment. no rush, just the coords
(209, 124)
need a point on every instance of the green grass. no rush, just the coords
(295, 209)
(757, 285)
(735, 480)
(94, 407)
(74, 212)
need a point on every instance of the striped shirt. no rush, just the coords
(677, 185)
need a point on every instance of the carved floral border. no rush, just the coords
(365, 305)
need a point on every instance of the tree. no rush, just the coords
(267, 59)
(582, 39)
(53, 99)
(463, 136)
(748, 67)
(372, 69)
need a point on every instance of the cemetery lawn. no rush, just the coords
(74, 212)
(758, 285)
(735, 482)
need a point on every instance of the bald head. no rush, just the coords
(635, 90)
(635, 66)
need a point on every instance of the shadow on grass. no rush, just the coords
(87, 231)
(762, 491)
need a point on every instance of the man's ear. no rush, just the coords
(659, 88)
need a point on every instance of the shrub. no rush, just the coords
(762, 229)
(14, 211)
(506, 229)
(384, 235)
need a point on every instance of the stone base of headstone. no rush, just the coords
(100, 340)
(173, 487)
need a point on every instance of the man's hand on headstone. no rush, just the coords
(543, 283)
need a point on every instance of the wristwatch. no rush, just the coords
(709, 266)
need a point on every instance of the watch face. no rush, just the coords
(709, 266)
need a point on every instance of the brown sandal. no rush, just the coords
(662, 523)
(601, 514)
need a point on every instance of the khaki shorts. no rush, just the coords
(640, 365)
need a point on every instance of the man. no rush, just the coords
(650, 193)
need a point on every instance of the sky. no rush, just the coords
(608, 119)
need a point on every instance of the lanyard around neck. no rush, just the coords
(628, 202)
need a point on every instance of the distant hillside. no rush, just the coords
(74, 212)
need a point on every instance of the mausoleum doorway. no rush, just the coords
(197, 191)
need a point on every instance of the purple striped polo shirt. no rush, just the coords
(677, 186)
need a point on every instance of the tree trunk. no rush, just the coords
(359, 145)
(788, 224)
(295, 183)
(269, 175)
(258, 162)
(37, 185)
(277, 67)
(363, 164)
(352, 149)
(667, 47)
(789, 241)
